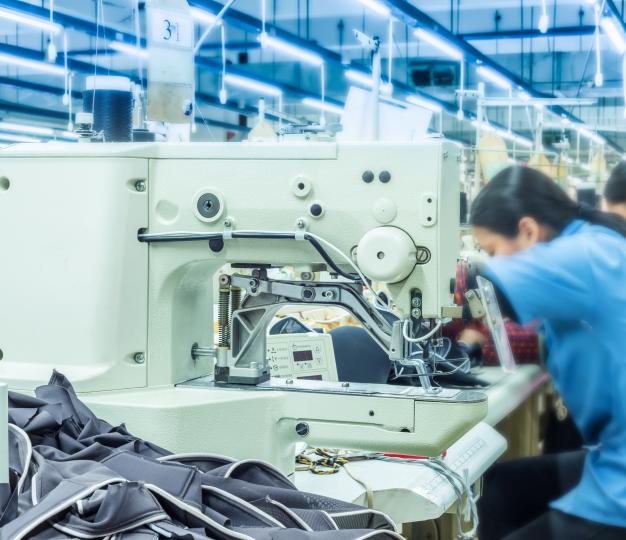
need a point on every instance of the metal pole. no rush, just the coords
(4, 434)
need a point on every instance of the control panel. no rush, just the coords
(302, 356)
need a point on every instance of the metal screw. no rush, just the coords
(302, 429)
(139, 358)
(140, 185)
(228, 223)
(300, 224)
(416, 313)
(416, 302)
(329, 295)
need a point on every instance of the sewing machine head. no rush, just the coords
(113, 271)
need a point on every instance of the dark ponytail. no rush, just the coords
(518, 192)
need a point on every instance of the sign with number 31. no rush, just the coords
(171, 29)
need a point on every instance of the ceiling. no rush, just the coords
(502, 34)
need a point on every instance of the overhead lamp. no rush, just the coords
(203, 16)
(425, 103)
(517, 139)
(22, 128)
(128, 49)
(376, 7)
(70, 135)
(30, 20)
(35, 65)
(253, 85)
(598, 139)
(439, 43)
(17, 138)
(524, 96)
(544, 20)
(289, 49)
(615, 35)
(322, 105)
(365, 79)
(493, 77)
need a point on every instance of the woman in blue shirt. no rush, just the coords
(564, 265)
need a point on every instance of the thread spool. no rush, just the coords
(110, 99)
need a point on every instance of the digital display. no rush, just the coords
(303, 356)
(311, 378)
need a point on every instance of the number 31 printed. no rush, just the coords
(170, 31)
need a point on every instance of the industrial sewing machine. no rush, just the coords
(114, 254)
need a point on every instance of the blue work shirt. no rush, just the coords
(575, 284)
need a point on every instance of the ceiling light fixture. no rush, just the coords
(438, 43)
(29, 20)
(425, 103)
(323, 106)
(493, 77)
(36, 65)
(250, 84)
(289, 49)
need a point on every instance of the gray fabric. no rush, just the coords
(88, 479)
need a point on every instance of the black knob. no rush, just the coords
(368, 177)
(316, 210)
(384, 177)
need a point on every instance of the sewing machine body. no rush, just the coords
(81, 294)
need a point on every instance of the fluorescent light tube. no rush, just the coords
(22, 128)
(615, 35)
(128, 49)
(425, 103)
(30, 20)
(289, 49)
(251, 84)
(590, 135)
(509, 136)
(322, 105)
(376, 7)
(17, 138)
(439, 43)
(35, 65)
(494, 77)
(203, 16)
(359, 77)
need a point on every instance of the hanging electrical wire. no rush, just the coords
(599, 77)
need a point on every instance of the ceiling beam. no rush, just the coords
(530, 33)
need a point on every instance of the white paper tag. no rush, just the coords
(170, 28)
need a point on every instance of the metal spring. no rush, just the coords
(223, 321)
(235, 302)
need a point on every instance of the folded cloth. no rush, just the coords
(74, 475)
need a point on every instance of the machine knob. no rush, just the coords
(386, 254)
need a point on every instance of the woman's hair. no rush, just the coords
(518, 192)
(615, 190)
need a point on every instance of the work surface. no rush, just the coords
(410, 492)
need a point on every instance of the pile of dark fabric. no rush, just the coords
(75, 476)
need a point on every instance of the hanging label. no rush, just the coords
(171, 29)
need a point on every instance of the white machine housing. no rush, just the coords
(81, 294)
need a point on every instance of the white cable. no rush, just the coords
(420, 339)
(458, 484)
